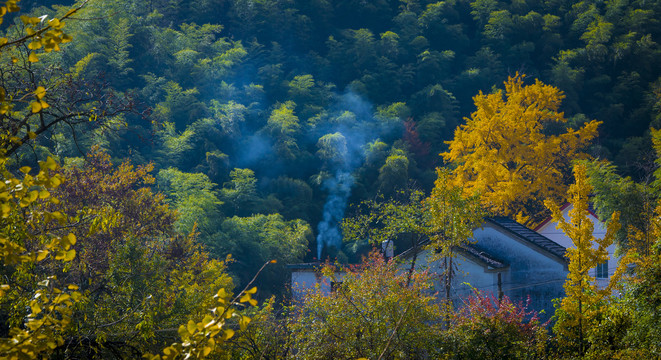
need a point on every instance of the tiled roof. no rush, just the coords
(591, 210)
(469, 250)
(530, 236)
(482, 256)
(306, 266)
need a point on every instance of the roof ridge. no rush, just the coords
(530, 235)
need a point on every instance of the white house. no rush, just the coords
(603, 272)
(306, 276)
(504, 257)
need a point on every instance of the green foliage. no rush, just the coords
(332, 147)
(242, 84)
(240, 193)
(394, 174)
(260, 238)
(374, 312)
(453, 215)
(140, 278)
(387, 220)
(634, 201)
(194, 198)
(284, 126)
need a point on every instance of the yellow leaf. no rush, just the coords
(252, 291)
(208, 321)
(36, 107)
(228, 333)
(3, 40)
(34, 306)
(33, 195)
(33, 58)
(243, 323)
(40, 92)
(206, 351)
(71, 239)
(43, 194)
(70, 255)
(25, 169)
(61, 298)
(191, 327)
(183, 332)
(55, 181)
(41, 254)
(49, 164)
(34, 45)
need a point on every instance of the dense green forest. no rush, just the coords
(253, 111)
(198, 140)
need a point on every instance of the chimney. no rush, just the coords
(387, 248)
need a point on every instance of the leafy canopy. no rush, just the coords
(504, 151)
(581, 308)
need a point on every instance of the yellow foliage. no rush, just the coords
(24, 202)
(503, 153)
(200, 339)
(24, 211)
(581, 307)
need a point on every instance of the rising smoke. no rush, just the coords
(339, 190)
(357, 135)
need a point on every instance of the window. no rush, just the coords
(602, 270)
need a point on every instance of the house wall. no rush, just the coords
(551, 231)
(468, 275)
(304, 280)
(533, 272)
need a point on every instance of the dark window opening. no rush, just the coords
(602, 270)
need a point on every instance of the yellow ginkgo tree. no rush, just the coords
(506, 152)
(581, 307)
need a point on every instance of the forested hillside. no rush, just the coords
(242, 131)
(252, 112)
